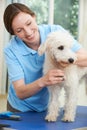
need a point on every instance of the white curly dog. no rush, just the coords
(58, 48)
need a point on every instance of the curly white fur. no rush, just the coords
(58, 48)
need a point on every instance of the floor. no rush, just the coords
(82, 98)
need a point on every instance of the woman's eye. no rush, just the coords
(19, 30)
(28, 23)
(61, 47)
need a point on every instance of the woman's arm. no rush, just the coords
(27, 90)
(81, 58)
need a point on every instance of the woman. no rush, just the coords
(28, 91)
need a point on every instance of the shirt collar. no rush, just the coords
(20, 46)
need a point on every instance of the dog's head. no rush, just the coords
(58, 46)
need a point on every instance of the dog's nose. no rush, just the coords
(71, 60)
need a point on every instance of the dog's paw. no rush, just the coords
(51, 118)
(68, 119)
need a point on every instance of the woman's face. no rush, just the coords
(25, 27)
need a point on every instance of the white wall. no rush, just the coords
(83, 23)
(3, 40)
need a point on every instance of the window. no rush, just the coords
(40, 8)
(65, 13)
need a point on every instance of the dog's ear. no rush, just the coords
(42, 49)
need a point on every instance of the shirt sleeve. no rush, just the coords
(76, 46)
(15, 70)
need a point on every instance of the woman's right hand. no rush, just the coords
(27, 90)
(53, 76)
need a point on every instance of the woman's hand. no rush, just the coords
(54, 76)
(27, 90)
(81, 58)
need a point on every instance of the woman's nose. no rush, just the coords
(27, 31)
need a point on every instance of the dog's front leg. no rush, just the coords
(71, 102)
(53, 107)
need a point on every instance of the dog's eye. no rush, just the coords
(61, 47)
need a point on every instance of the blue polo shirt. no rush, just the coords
(25, 63)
